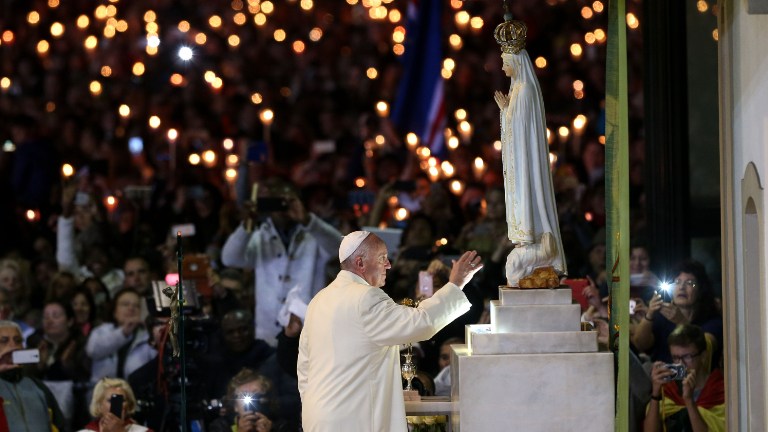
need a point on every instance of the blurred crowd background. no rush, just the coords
(141, 128)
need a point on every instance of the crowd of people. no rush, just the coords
(88, 250)
(98, 320)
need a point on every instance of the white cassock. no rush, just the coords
(530, 198)
(349, 354)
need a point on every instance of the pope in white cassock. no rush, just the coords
(349, 355)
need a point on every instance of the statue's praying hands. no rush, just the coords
(502, 99)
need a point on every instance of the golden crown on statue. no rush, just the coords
(511, 35)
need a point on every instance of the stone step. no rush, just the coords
(570, 392)
(535, 318)
(481, 340)
(548, 296)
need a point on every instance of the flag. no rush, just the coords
(617, 201)
(420, 105)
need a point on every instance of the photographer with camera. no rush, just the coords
(249, 406)
(691, 301)
(289, 248)
(686, 395)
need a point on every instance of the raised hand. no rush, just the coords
(111, 423)
(592, 294)
(689, 384)
(659, 376)
(254, 422)
(131, 324)
(654, 306)
(673, 314)
(464, 268)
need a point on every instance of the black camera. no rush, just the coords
(250, 405)
(679, 372)
(255, 403)
(272, 204)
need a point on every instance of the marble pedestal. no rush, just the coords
(532, 369)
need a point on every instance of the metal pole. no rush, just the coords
(182, 358)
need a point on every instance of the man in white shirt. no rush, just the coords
(287, 251)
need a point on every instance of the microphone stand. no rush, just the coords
(180, 317)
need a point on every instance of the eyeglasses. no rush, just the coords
(690, 282)
(685, 358)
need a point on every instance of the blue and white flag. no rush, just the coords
(420, 105)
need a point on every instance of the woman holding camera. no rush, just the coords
(692, 302)
(112, 405)
(686, 396)
(248, 403)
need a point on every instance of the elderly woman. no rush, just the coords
(105, 420)
(692, 302)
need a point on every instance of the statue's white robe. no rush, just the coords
(349, 354)
(530, 198)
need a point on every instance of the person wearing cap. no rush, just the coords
(349, 350)
(289, 249)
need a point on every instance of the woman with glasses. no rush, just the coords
(691, 301)
(686, 396)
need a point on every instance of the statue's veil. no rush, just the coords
(530, 200)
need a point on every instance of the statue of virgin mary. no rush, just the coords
(530, 199)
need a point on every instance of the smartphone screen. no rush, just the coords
(116, 405)
(26, 356)
(426, 289)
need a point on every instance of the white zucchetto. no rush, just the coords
(350, 243)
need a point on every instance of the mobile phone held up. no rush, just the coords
(116, 405)
(26, 356)
(426, 288)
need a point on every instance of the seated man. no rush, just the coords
(25, 403)
(694, 400)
